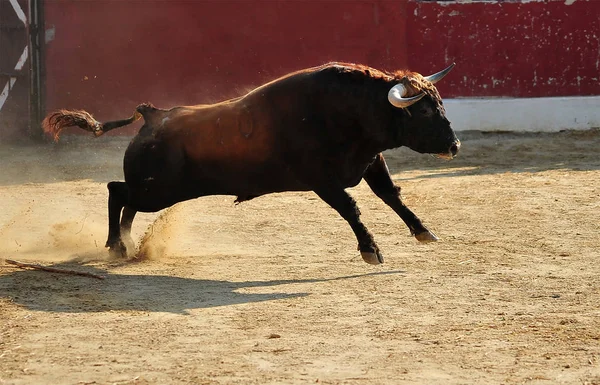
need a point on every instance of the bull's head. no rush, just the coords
(425, 127)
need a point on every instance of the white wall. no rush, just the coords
(523, 114)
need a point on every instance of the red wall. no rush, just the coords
(516, 48)
(109, 55)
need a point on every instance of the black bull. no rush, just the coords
(321, 129)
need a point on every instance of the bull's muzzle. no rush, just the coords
(454, 148)
(452, 151)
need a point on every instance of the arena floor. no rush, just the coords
(273, 291)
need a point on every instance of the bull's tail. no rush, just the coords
(56, 121)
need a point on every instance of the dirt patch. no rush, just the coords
(274, 291)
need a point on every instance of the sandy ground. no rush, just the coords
(273, 291)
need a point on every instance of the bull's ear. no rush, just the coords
(440, 75)
(397, 99)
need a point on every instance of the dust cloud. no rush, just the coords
(55, 203)
(50, 239)
(37, 233)
(54, 198)
(157, 243)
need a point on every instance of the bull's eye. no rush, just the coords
(424, 111)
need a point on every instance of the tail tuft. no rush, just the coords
(56, 121)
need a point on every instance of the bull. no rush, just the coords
(321, 129)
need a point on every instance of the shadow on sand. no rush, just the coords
(54, 292)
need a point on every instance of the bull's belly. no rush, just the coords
(243, 181)
(160, 189)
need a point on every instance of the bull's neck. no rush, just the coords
(358, 109)
(381, 123)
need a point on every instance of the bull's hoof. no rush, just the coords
(426, 237)
(372, 258)
(117, 250)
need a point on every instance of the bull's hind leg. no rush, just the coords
(125, 227)
(378, 177)
(118, 194)
(345, 205)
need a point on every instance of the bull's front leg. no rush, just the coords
(378, 177)
(345, 205)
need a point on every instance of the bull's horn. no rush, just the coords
(440, 75)
(397, 99)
